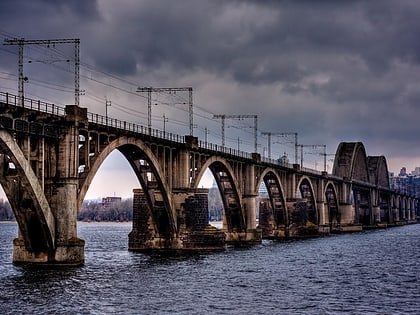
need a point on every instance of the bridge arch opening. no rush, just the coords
(216, 211)
(305, 212)
(334, 215)
(20, 184)
(361, 201)
(110, 194)
(271, 207)
(233, 217)
(223, 184)
(113, 178)
(153, 202)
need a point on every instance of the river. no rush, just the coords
(375, 272)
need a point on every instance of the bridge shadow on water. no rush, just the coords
(172, 257)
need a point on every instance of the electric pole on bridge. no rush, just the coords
(282, 134)
(107, 104)
(149, 91)
(223, 117)
(21, 42)
(314, 147)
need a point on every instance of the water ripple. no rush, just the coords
(364, 273)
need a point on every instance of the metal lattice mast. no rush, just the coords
(77, 71)
(268, 134)
(223, 117)
(149, 91)
(282, 134)
(21, 79)
(255, 133)
(314, 147)
(21, 42)
(190, 110)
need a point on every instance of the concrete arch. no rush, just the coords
(30, 206)
(128, 146)
(378, 171)
(276, 195)
(261, 176)
(306, 190)
(334, 215)
(206, 165)
(351, 162)
(229, 190)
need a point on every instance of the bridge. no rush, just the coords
(49, 156)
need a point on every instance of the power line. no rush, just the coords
(21, 42)
(223, 117)
(149, 91)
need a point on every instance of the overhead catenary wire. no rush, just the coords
(90, 73)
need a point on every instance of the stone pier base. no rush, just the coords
(70, 253)
(348, 228)
(208, 239)
(244, 239)
(194, 234)
(138, 242)
(275, 234)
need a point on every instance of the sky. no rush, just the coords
(330, 71)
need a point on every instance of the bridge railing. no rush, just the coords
(219, 148)
(53, 109)
(44, 107)
(132, 127)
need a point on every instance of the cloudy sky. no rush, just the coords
(331, 71)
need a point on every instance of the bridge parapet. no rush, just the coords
(193, 233)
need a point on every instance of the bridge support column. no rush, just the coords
(347, 213)
(69, 253)
(198, 234)
(194, 233)
(68, 249)
(376, 214)
(252, 235)
(323, 220)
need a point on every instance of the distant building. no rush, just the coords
(108, 201)
(416, 171)
(403, 172)
(406, 183)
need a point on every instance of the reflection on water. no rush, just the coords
(365, 273)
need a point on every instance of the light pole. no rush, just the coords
(165, 120)
(107, 104)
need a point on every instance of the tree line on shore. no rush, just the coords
(93, 210)
(6, 212)
(120, 211)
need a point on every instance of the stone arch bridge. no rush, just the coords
(49, 156)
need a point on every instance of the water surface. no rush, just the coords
(374, 272)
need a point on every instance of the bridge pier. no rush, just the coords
(244, 239)
(70, 252)
(68, 249)
(348, 214)
(194, 233)
(252, 235)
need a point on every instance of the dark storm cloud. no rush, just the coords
(331, 70)
(20, 10)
